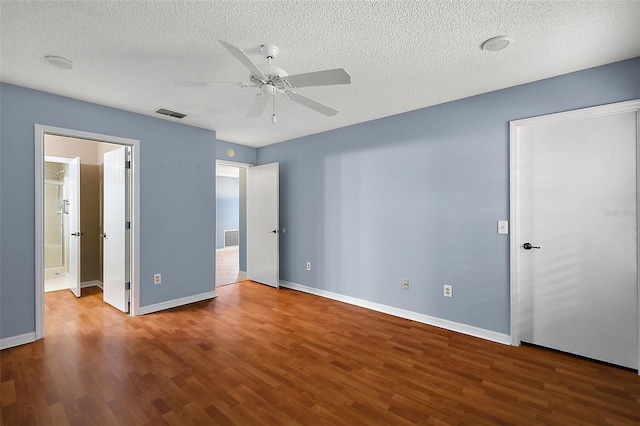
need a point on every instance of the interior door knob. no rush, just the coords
(275, 231)
(75, 234)
(528, 246)
(103, 235)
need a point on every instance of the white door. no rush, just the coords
(113, 236)
(262, 224)
(73, 194)
(576, 236)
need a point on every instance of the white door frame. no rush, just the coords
(40, 132)
(516, 127)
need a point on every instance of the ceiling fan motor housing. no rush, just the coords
(276, 77)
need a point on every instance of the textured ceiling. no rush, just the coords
(402, 56)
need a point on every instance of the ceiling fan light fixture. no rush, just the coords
(496, 43)
(268, 89)
(59, 62)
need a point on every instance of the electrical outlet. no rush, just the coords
(405, 284)
(157, 278)
(308, 266)
(448, 291)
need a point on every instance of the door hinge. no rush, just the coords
(128, 164)
(127, 286)
(127, 225)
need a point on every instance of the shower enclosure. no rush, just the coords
(56, 219)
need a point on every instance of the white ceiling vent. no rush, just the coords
(170, 113)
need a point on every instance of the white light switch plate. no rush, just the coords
(503, 227)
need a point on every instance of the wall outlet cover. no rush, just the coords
(448, 291)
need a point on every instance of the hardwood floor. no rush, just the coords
(256, 355)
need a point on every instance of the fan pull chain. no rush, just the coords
(273, 117)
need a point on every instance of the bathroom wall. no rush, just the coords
(53, 232)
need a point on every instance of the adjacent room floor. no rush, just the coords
(227, 266)
(256, 355)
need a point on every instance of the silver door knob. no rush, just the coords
(103, 235)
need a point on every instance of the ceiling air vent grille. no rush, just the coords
(170, 113)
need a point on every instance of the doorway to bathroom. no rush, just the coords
(74, 214)
(87, 210)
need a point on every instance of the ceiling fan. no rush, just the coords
(271, 80)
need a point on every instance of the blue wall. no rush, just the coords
(413, 196)
(417, 196)
(243, 154)
(227, 206)
(177, 197)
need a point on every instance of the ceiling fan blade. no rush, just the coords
(257, 107)
(310, 103)
(320, 78)
(242, 57)
(207, 83)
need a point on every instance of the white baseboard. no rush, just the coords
(93, 283)
(410, 315)
(176, 302)
(10, 342)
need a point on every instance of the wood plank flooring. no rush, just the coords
(256, 355)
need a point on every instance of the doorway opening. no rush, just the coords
(231, 227)
(73, 201)
(258, 224)
(87, 215)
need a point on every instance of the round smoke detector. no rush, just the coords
(59, 62)
(496, 43)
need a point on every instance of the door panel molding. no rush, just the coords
(517, 128)
(114, 217)
(39, 134)
(263, 229)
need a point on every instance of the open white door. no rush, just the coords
(73, 194)
(263, 224)
(113, 236)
